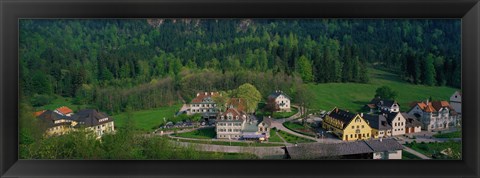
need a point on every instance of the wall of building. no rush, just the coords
(398, 125)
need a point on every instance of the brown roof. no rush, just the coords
(203, 95)
(234, 113)
(343, 116)
(237, 103)
(64, 110)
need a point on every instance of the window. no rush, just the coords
(358, 127)
(368, 135)
(353, 127)
(363, 126)
(351, 135)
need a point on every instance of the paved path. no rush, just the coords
(416, 153)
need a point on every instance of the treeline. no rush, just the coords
(62, 56)
(167, 91)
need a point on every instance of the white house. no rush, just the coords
(382, 105)
(279, 101)
(397, 121)
(456, 101)
(434, 115)
(204, 104)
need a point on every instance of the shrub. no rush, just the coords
(41, 100)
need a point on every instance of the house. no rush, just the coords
(346, 125)
(412, 125)
(279, 101)
(230, 123)
(38, 113)
(434, 115)
(235, 124)
(397, 121)
(55, 123)
(382, 105)
(379, 124)
(64, 111)
(204, 104)
(257, 129)
(456, 102)
(362, 149)
(91, 119)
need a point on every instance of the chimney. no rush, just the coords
(361, 114)
(211, 93)
(427, 102)
(206, 93)
(198, 94)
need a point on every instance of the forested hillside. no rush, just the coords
(146, 63)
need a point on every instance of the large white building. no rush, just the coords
(435, 115)
(204, 104)
(236, 124)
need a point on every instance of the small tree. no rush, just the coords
(385, 92)
(250, 94)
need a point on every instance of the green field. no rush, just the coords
(353, 96)
(293, 138)
(274, 137)
(148, 120)
(433, 149)
(408, 156)
(299, 128)
(281, 115)
(207, 133)
(456, 134)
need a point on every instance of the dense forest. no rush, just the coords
(146, 63)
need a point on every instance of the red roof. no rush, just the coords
(38, 113)
(64, 110)
(234, 113)
(202, 95)
(433, 106)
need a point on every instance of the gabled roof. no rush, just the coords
(50, 117)
(234, 113)
(319, 150)
(64, 110)
(90, 117)
(411, 121)
(378, 122)
(382, 145)
(433, 106)
(383, 102)
(277, 93)
(204, 97)
(342, 115)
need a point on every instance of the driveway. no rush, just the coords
(416, 153)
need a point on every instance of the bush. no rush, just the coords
(41, 100)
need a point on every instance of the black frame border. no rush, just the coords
(11, 11)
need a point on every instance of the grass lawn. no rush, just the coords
(407, 155)
(456, 134)
(274, 137)
(353, 96)
(292, 138)
(227, 143)
(207, 133)
(281, 115)
(433, 149)
(148, 120)
(299, 128)
(63, 101)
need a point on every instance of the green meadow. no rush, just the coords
(353, 96)
(148, 120)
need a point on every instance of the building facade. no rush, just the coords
(397, 121)
(97, 122)
(204, 104)
(235, 124)
(379, 124)
(346, 125)
(435, 115)
(456, 102)
(279, 101)
(382, 105)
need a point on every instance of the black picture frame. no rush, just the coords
(11, 11)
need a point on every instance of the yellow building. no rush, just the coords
(55, 123)
(346, 125)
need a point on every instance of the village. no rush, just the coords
(284, 130)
